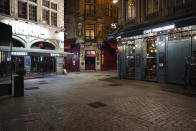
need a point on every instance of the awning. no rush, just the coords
(36, 52)
(68, 43)
(139, 29)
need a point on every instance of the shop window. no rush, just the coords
(131, 9)
(54, 18)
(179, 34)
(35, 1)
(32, 13)
(130, 53)
(22, 9)
(90, 32)
(45, 16)
(151, 48)
(152, 6)
(5, 7)
(46, 3)
(54, 6)
(90, 8)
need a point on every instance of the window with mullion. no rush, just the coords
(131, 9)
(54, 18)
(22, 9)
(32, 13)
(5, 7)
(90, 32)
(45, 16)
(90, 8)
(46, 3)
(152, 6)
(35, 1)
(54, 6)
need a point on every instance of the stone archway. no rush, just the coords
(17, 43)
(43, 45)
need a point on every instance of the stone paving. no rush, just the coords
(61, 103)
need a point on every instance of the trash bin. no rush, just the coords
(18, 86)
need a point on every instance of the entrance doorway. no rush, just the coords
(89, 63)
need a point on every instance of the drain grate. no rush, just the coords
(114, 84)
(31, 88)
(97, 104)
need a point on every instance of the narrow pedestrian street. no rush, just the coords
(97, 101)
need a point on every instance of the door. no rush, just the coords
(90, 63)
(177, 51)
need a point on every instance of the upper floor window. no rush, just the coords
(54, 6)
(131, 8)
(32, 12)
(46, 3)
(22, 9)
(90, 7)
(152, 6)
(45, 16)
(90, 32)
(5, 6)
(35, 1)
(54, 18)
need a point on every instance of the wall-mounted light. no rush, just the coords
(115, 1)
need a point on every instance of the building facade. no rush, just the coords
(88, 22)
(154, 38)
(36, 24)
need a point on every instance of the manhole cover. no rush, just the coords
(42, 83)
(97, 104)
(114, 84)
(31, 88)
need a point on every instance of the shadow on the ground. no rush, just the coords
(180, 90)
(109, 79)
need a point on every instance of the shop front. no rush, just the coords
(158, 53)
(90, 57)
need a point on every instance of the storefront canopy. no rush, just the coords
(139, 29)
(36, 52)
(5, 32)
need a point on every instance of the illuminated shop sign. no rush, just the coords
(19, 53)
(54, 54)
(169, 27)
(90, 53)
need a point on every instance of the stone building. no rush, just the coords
(154, 38)
(36, 24)
(88, 22)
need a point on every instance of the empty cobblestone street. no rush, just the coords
(97, 101)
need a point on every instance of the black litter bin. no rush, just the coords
(18, 86)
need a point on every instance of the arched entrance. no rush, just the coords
(43, 45)
(43, 64)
